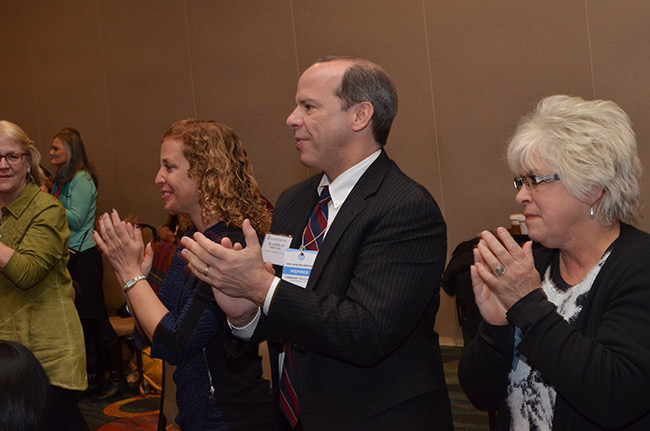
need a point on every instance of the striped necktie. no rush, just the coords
(312, 240)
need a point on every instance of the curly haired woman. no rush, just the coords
(204, 173)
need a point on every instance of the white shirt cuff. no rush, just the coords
(246, 332)
(269, 295)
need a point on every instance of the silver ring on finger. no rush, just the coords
(207, 268)
(500, 270)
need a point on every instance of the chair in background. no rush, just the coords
(266, 363)
(168, 407)
(123, 325)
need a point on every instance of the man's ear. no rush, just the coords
(363, 112)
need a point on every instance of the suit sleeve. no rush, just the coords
(383, 275)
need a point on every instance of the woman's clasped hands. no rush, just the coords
(121, 243)
(502, 274)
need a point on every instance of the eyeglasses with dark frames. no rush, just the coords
(532, 181)
(13, 158)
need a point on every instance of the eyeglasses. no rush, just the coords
(532, 180)
(13, 158)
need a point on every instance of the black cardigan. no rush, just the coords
(600, 367)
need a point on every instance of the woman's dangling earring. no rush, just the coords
(592, 213)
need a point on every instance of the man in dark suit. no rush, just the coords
(364, 355)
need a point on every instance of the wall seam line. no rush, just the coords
(108, 100)
(433, 108)
(31, 63)
(591, 55)
(295, 51)
(295, 38)
(189, 57)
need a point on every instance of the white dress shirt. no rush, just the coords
(339, 190)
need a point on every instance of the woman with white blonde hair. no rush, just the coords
(565, 343)
(36, 295)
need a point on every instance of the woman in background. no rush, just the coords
(564, 344)
(36, 294)
(204, 173)
(75, 185)
(164, 250)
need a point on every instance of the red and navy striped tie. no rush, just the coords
(312, 239)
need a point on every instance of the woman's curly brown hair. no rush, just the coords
(226, 188)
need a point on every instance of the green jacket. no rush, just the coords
(36, 294)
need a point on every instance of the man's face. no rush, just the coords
(321, 128)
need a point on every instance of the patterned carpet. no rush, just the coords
(137, 413)
(466, 417)
(131, 412)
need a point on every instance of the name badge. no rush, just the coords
(273, 248)
(297, 265)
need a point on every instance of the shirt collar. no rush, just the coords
(341, 187)
(23, 200)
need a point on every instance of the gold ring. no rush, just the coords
(206, 269)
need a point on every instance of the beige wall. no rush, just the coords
(466, 70)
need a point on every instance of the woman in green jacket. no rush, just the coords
(36, 295)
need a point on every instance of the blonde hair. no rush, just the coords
(219, 164)
(591, 145)
(14, 133)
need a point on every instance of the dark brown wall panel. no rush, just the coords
(465, 70)
(17, 92)
(393, 35)
(244, 73)
(149, 85)
(492, 62)
(620, 46)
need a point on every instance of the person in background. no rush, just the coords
(164, 250)
(75, 185)
(204, 173)
(36, 295)
(352, 344)
(25, 394)
(176, 227)
(168, 231)
(564, 344)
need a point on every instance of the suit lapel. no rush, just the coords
(303, 209)
(354, 204)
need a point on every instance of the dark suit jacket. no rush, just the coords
(365, 353)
